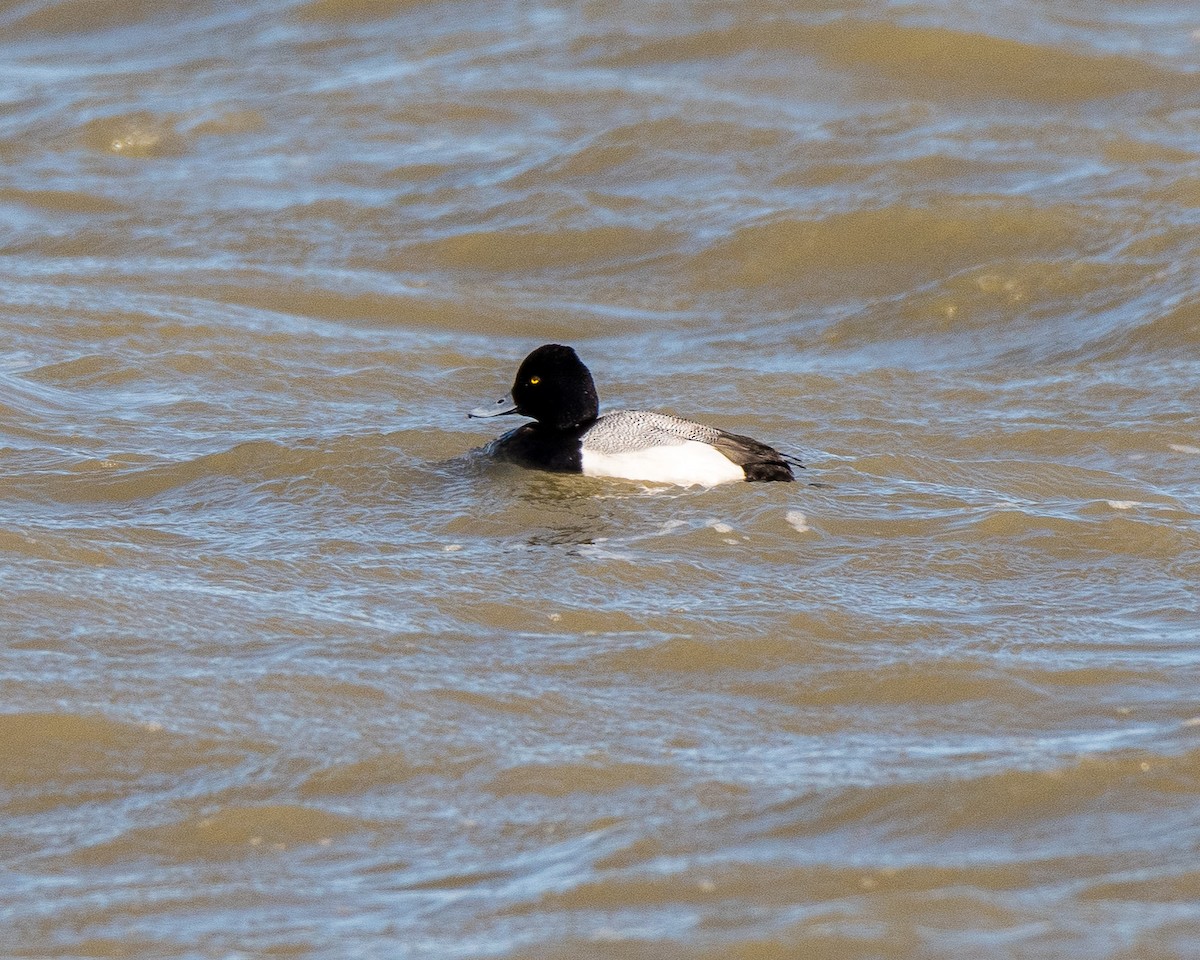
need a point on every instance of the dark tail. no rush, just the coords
(761, 462)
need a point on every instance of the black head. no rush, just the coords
(555, 388)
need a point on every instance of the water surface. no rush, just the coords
(288, 670)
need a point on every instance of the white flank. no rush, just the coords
(687, 464)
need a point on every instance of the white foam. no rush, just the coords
(1123, 504)
(797, 521)
(1183, 448)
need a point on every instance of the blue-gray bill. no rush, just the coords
(502, 407)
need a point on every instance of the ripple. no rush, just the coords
(908, 245)
(933, 60)
(52, 759)
(231, 832)
(523, 250)
(141, 134)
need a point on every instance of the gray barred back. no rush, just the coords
(625, 430)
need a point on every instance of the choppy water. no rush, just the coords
(287, 671)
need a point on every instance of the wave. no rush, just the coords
(232, 831)
(524, 250)
(929, 61)
(896, 247)
(50, 758)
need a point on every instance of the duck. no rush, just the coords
(555, 389)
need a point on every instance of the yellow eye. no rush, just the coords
(534, 381)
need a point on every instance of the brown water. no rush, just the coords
(288, 671)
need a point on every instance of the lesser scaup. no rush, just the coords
(555, 389)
